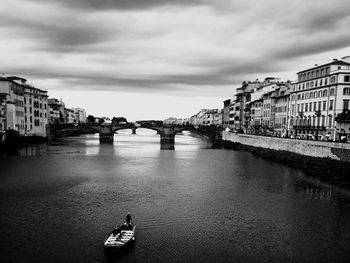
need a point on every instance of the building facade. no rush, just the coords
(319, 95)
(226, 113)
(24, 107)
(80, 115)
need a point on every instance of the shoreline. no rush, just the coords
(323, 171)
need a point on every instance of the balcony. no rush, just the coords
(308, 127)
(300, 113)
(318, 113)
(343, 117)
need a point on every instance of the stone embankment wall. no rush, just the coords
(332, 150)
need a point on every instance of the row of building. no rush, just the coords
(29, 110)
(315, 106)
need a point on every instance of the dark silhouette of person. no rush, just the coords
(128, 219)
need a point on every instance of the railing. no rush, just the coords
(343, 117)
(308, 127)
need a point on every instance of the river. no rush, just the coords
(193, 204)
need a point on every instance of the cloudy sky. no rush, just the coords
(152, 59)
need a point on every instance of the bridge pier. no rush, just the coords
(106, 135)
(133, 130)
(167, 139)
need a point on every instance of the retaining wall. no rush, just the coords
(332, 150)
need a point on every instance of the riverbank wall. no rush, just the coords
(325, 161)
(332, 150)
(11, 142)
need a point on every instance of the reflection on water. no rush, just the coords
(192, 204)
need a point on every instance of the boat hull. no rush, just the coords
(120, 240)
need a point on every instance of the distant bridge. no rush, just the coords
(106, 131)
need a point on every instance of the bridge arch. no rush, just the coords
(167, 132)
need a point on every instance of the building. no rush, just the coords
(24, 107)
(218, 117)
(80, 115)
(226, 113)
(70, 115)
(232, 114)
(12, 104)
(256, 116)
(319, 95)
(281, 100)
(54, 111)
(170, 120)
(57, 113)
(242, 104)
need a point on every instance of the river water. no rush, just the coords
(193, 204)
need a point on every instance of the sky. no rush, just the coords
(153, 59)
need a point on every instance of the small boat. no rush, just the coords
(120, 237)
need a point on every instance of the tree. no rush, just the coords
(91, 119)
(117, 120)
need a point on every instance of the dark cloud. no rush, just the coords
(267, 33)
(56, 35)
(125, 4)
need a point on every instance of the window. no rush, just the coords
(345, 104)
(306, 109)
(315, 105)
(324, 93)
(347, 78)
(332, 79)
(346, 91)
(310, 106)
(320, 82)
(324, 105)
(325, 81)
(323, 120)
(330, 121)
(331, 105)
(331, 93)
(319, 105)
(315, 94)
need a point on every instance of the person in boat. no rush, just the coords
(128, 219)
(128, 224)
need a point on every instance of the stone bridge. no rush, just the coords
(106, 131)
